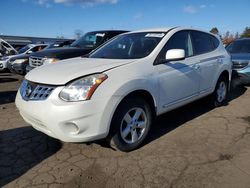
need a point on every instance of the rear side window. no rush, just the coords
(215, 41)
(203, 42)
(37, 48)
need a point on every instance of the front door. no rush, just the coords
(178, 80)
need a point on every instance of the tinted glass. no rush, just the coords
(215, 41)
(90, 40)
(23, 49)
(240, 46)
(202, 42)
(37, 48)
(180, 40)
(129, 46)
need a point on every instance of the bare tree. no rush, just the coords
(246, 33)
(214, 30)
(228, 38)
(78, 33)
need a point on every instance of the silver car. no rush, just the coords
(240, 53)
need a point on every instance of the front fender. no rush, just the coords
(124, 90)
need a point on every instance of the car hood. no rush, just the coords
(7, 58)
(62, 53)
(20, 56)
(67, 70)
(240, 56)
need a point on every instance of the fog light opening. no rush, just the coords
(73, 128)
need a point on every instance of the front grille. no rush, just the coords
(32, 91)
(239, 64)
(36, 61)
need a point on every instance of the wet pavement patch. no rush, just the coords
(247, 119)
(223, 157)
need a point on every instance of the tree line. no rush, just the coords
(228, 37)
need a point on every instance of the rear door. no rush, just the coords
(204, 46)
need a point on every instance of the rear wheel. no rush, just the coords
(219, 96)
(130, 124)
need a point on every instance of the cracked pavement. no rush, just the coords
(194, 146)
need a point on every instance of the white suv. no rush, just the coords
(117, 91)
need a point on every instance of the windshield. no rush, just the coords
(240, 46)
(58, 44)
(90, 40)
(129, 46)
(23, 49)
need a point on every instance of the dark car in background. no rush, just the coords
(240, 54)
(80, 47)
(59, 44)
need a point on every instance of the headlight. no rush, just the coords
(83, 88)
(4, 58)
(19, 61)
(50, 60)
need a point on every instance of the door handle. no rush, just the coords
(195, 67)
(219, 60)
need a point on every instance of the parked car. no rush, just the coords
(25, 50)
(6, 50)
(59, 44)
(240, 53)
(18, 63)
(117, 91)
(80, 47)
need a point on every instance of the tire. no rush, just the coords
(219, 96)
(130, 124)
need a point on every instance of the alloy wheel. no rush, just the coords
(133, 125)
(221, 91)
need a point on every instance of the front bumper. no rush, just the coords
(19, 68)
(3, 65)
(69, 121)
(29, 68)
(242, 75)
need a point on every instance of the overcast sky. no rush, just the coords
(52, 18)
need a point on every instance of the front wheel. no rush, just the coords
(130, 124)
(219, 96)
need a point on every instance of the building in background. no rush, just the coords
(20, 41)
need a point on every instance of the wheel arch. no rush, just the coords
(225, 74)
(146, 95)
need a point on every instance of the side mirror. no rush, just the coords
(29, 52)
(175, 55)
